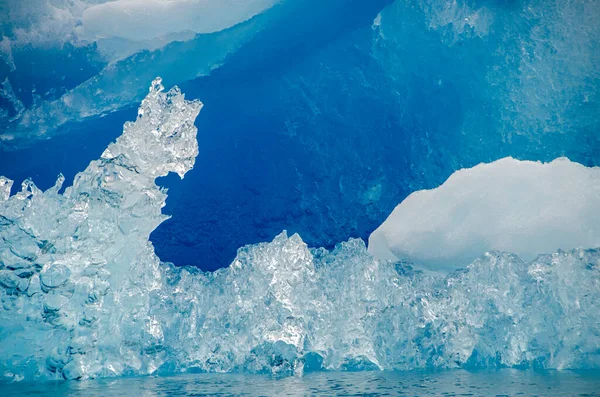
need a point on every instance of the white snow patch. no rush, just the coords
(524, 207)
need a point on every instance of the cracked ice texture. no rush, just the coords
(83, 294)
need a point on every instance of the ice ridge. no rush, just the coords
(83, 295)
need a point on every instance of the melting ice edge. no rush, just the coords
(84, 295)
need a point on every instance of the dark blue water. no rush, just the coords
(498, 383)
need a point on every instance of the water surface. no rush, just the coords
(506, 382)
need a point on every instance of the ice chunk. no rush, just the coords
(83, 294)
(69, 261)
(524, 207)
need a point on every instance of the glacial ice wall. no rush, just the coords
(83, 294)
(352, 112)
(524, 207)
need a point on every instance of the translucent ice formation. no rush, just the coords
(71, 262)
(179, 61)
(528, 208)
(83, 294)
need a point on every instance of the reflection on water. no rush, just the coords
(506, 382)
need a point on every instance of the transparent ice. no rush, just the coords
(83, 294)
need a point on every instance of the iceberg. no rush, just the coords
(524, 207)
(184, 57)
(83, 294)
(124, 27)
(371, 112)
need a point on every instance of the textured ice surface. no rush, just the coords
(15, 108)
(77, 267)
(83, 294)
(541, 72)
(528, 208)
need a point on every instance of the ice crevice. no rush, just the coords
(83, 294)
